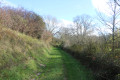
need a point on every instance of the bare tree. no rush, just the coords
(83, 27)
(118, 2)
(110, 19)
(51, 24)
(66, 37)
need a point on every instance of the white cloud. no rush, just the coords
(102, 29)
(102, 6)
(66, 23)
(7, 3)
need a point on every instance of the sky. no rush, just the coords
(61, 9)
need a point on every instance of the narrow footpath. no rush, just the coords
(62, 66)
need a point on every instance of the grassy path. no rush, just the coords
(61, 66)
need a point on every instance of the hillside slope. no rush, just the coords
(21, 56)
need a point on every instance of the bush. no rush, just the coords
(104, 65)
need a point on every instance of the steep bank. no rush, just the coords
(21, 56)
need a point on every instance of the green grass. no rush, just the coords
(26, 69)
(20, 56)
(62, 66)
(54, 68)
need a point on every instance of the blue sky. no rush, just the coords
(61, 9)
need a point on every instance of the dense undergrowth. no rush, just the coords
(105, 67)
(20, 56)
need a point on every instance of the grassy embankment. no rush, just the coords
(21, 56)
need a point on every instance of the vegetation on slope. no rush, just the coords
(20, 56)
(22, 20)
